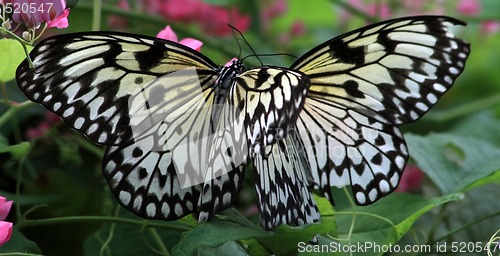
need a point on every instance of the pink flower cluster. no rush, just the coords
(212, 19)
(33, 13)
(169, 34)
(5, 227)
(383, 10)
(38, 131)
(412, 178)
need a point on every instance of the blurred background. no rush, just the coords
(59, 171)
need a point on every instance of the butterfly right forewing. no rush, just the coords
(366, 83)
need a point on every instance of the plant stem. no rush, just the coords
(156, 237)
(475, 106)
(12, 110)
(495, 214)
(100, 219)
(96, 15)
(348, 7)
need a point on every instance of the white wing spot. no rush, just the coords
(137, 202)
(400, 162)
(431, 98)
(56, 106)
(384, 186)
(372, 195)
(93, 128)
(151, 210)
(79, 122)
(439, 87)
(68, 112)
(360, 197)
(165, 209)
(395, 179)
(124, 197)
(422, 106)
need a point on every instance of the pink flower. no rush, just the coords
(411, 180)
(213, 19)
(298, 28)
(53, 12)
(182, 10)
(5, 227)
(230, 62)
(490, 27)
(118, 21)
(380, 9)
(468, 7)
(60, 21)
(275, 9)
(169, 34)
(38, 131)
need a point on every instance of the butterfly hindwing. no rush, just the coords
(363, 85)
(282, 185)
(261, 108)
(270, 99)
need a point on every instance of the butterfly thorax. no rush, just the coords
(227, 75)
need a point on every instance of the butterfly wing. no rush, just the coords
(283, 185)
(262, 107)
(148, 99)
(363, 85)
(87, 78)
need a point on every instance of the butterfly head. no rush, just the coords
(228, 73)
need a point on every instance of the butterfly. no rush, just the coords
(179, 130)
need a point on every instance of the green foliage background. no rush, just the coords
(63, 204)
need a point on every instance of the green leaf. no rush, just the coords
(222, 2)
(12, 55)
(481, 126)
(296, 12)
(495, 177)
(453, 162)
(19, 243)
(30, 200)
(286, 239)
(122, 239)
(230, 248)
(382, 223)
(17, 150)
(213, 234)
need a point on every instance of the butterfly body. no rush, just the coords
(179, 129)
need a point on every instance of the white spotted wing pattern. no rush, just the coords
(366, 83)
(180, 130)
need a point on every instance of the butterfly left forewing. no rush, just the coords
(148, 99)
(87, 78)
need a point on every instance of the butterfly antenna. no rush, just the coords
(270, 55)
(237, 41)
(244, 39)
